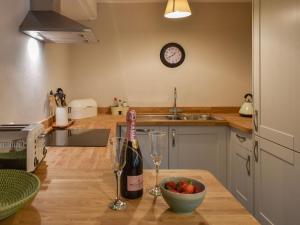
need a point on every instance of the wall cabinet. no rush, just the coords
(241, 168)
(277, 172)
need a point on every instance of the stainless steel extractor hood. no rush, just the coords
(50, 26)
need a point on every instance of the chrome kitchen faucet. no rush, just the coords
(174, 109)
(175, 102)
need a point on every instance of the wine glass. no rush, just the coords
(117, 147)
(157, 148)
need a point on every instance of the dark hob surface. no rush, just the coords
(78, 138)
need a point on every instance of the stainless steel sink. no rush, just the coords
(187, 117)
(198, 117)
(156, 117)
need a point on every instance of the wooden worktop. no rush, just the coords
(77, 185)
(81, 196)
(234, 120)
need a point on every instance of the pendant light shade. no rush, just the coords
(177, 9)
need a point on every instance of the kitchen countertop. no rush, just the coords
(234, 120)
(81, 197)
(77, 184)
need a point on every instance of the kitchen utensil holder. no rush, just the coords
(62, 116)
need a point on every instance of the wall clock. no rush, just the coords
(172, 55)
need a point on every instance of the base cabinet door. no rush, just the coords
(241, 168)
(277, 173)
(199, 148)
(242, 175)
(143, 139)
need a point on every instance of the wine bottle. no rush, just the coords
(132, 175)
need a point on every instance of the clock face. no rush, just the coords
(172, 55)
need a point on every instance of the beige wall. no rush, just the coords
(126, 64)
(28, 69)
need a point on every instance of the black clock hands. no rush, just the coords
(170, 56)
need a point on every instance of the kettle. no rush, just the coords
(247, 106)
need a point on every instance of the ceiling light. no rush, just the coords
(177, 9)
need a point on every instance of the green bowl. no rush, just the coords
(17, 187)
(182, 203)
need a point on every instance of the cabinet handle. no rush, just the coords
(248, 165)
(255, 120)
(255, 150)
(173, 138)
(145, 131)
(241, 138)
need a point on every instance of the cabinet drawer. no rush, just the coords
(241, 138)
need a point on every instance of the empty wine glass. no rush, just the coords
(157, 148)
(117, 147)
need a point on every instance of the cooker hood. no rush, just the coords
(50, 26)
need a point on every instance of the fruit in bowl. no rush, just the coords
(183, 187)
(182, 194)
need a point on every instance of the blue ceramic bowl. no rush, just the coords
(182, 203)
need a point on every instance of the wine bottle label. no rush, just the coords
(135, 183)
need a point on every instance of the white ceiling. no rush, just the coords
(144, 1)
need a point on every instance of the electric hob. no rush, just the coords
(78, 138)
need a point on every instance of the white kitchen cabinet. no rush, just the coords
(199, 147)
(143, 140)
(241, 168)
(277, 172)
(276, 52)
